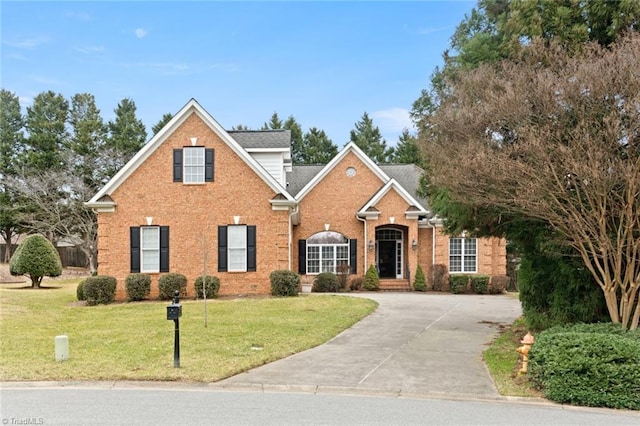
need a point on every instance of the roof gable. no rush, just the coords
(192, 107)
(414, 209)
(349, 148)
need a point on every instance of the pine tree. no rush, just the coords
(297, 145)
(127, 134)
(163, 122)
(368, 138)
(48, 138)
(274, 124)
(406, 151)
(319, 149)
(87, 140)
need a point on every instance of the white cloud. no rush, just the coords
(27, 43)
(392, 120)
(141, 32)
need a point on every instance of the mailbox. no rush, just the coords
(174, 310)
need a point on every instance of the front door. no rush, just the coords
(389, 253)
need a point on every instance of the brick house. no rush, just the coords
(199, 197)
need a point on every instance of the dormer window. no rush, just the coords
(193, 165)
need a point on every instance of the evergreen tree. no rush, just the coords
(11, 144)
(48, 138)
(319, 149)
(274, 124)
(163, 122)
(368, 138)
(87, 140)
(406, 151)
(240, 127)
(297, 145)
(127, 134)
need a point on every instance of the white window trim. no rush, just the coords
(201, 180)
(320, 258)
(229, 248)
(462, 256)
(143, 249)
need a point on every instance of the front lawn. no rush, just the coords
(134, 341)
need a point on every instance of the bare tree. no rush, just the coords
(554, 138)
(54, 207)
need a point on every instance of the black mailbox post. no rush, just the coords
(174, 312)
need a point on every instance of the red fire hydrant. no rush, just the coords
(526, 341)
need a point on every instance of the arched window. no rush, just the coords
(326, 252)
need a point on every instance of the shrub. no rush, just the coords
(284, 283)
(326, 282)
(480, 284)
(355, 283)
(440, 279)
(36, 258)
(99, 290)
(371, 279)
(343, 275)
(169, 283)
(593, 365)
(138, 286)
(458, 283)
(211, 285)
(80, 291)
(499, 283)
(419, 283)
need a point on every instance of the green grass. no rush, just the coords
(502, 360)
(134, 341)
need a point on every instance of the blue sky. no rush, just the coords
(325, 63)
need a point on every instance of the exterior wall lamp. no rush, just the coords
(414, 244)
(370, 245)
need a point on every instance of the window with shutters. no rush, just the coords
(150, 249)
(193, 165)
(326, 251)
(237, 248)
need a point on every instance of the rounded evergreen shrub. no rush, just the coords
(169, 283)
(99, 290)
(419, 282)
(594, 365)
(480, 284)
(371, 279)
(458, 283)
(80, 291)
(36, 258)
(326, 282)
(284, 283)
(211, 287)
(138, 286)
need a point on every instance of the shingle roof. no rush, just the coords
(249, 139)
(300, 176)
(408, 176)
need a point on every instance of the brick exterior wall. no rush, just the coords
(193, 213)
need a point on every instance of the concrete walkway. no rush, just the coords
(413, 344)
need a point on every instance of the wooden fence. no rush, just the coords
(69, 256)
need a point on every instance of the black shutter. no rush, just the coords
(208, 165)
(177, 165)
(251, 248)
(164, 249)
(222, 248)
(353, 255)
(134, 242)
(302, 257)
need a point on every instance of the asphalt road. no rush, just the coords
(197, 405)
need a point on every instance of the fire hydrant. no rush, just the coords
(526, 341)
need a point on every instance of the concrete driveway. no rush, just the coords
(413, 344)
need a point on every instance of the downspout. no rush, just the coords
(289, 257)
(365, 242)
